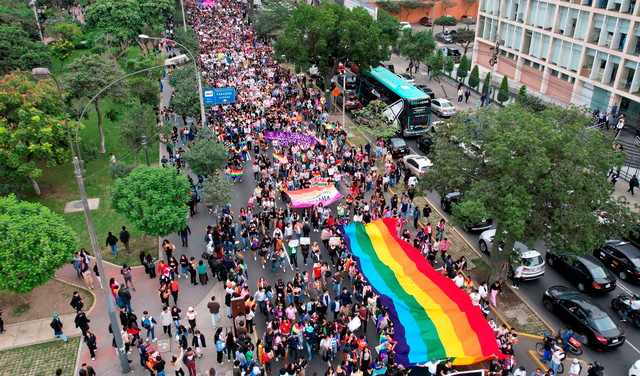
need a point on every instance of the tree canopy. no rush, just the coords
(464, 37)
(389, 26)
(187, 39)
(439, 63)
(19, 51)
(36, 242)
(138, 121)
(409, 6)
(153, 198)
(445, 21)
(89, 74)
(121, 20)
(207, 156)
(389, 6)
(374, 120)
(273, 17)
(186, 102)
(217, 192)
(31, 128)
(329, 34)
(538, 175)
(417, 46)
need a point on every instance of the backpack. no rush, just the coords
(146, 323)
(266, 358)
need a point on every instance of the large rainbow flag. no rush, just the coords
(433, 317)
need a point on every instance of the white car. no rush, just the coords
(534, 264)
(405, 25)
(635, 369)
(443, 107)
(407, 77)
(417, 164)
(313, 71)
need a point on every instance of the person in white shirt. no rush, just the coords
(482, 290)
(575, 368)
(475, 298)
(413, 181)
(634, 305)
(432, 366)
(166, 321)
(520, 372)
(459, 281)
(517, 276)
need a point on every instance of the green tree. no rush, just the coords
(389, 6)
(446, 4)
(19, 51)
(375, 120)
(522, 93)
(146, 90)
(19, 14)
(389, 26)
(463, 68)
(139, 120)
(153, 198)
(64, 31)
(89, 74)
(32, 133)
(409, 6)
(121, 21)
(439, 63)
(503, 95)
(445, 20)
(464, 37)
(329, 34)
(187, 39)
(538, 175)
(468, 4)
(417, 46)
(217, 192)
(486, 87)
(154, 15)
(474, 79)
(207, 156)
(36, 242)
(186, 102)
(61, 50)
(273, 17)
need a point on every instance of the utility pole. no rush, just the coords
(144, 146)
(33, 5)
(493, 61)
(184, 21)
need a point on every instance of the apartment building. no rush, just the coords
(585, 52)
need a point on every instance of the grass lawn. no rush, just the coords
(58, 69)
(42, 359)
(59, 186)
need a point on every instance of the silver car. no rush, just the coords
(534, 264)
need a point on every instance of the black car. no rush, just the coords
(389, 67)
(427, 90)
(352, 102)
(425, 143)
(348, 80)
(587, 318)
(398, 147)
(452, 52)
(320, 83)
(587, 272)
(622, 258)
(447, 202)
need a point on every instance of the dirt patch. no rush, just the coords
(52, 297)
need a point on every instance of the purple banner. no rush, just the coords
(284, 138)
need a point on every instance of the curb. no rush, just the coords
(95, 298)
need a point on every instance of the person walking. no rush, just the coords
(166, 320)
(82, 322)
(174, 288)
(111, 242)
(460, 95)
(126, 273)
(633, 183)
(86, 370)
(124, 238)
(148, 322)
(494, 290)
(184, 236)
(214, 309)
(97, 273)
(517, 276)
(467, 94)
(57, 325)
(88, 279)
(125, 296)
(92, 343)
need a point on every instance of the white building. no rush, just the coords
(585, 52)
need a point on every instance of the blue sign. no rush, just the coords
(218, 96)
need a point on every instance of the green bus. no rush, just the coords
(408, 105)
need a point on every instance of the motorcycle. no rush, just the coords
(619, 305)
(574, 346)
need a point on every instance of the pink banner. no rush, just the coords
(303, 198)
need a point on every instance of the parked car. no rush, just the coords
(313, 71)
(407, 77)
(417, 164)
(622, 258)
(349, 80)
(468, 19)
(449, 200)
(534, 265)
(586, 271)
(452, 52)
(399, 148)
(405, 25)
(427, 90)
(443, 107)
(444, 38)
(389, 67)
(352, 102)
(426, 21)
(320, 83)
(587, 318)
(425, 143)
(354, 68)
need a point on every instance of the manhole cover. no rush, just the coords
(78, 205)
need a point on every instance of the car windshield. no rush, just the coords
(636, 262)
(351, 78)
(532, 261)
(604, 323)
(397, 143)
(598, 272)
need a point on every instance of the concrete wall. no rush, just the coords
(530, 77)
(458, 11)
(559, 88)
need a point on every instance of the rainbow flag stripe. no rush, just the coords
(236, 173)
(433, 317)
(278, 157)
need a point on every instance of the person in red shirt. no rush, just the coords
(163, 268)
(330, 221)
(317, 271)
(285, 327)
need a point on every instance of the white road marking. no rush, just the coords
(632, 346)
(625, 289)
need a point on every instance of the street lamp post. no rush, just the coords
(44, 73)
(203, 117)
(32, 4)
(184, 21)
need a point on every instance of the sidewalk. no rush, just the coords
(36, 331)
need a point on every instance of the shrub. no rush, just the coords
(120, 170)
(90, 151)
